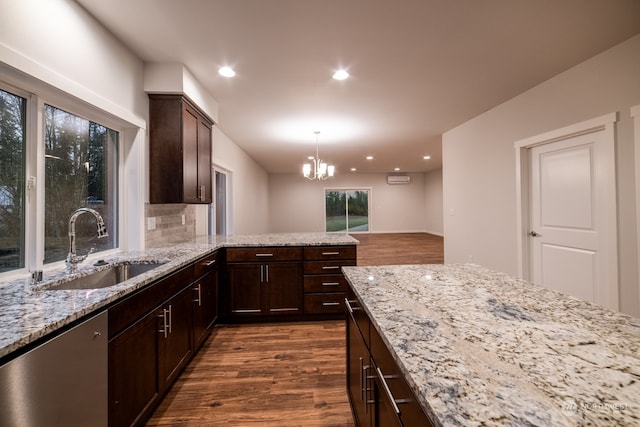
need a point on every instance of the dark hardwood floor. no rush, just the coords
(281, 374)
(270, 374)
(399, 248)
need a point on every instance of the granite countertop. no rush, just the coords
(29, 312)
(483, 348)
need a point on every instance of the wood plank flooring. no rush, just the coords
(281, 374)
(273, 374)
(399, 248)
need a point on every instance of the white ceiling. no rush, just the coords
(418, 67)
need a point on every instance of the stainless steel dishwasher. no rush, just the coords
(62, 382)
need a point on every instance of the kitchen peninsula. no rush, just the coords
(29, 312)
(117, 333)
(478, 347)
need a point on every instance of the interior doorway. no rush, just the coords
(568, 226)
(219, 210)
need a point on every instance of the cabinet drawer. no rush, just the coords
(326, 267)
(324, 303)
(206, 264)
(325, 283)
(134, 307)
(264, 254)
(329, 252)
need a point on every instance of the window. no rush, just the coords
(80, 171)
(347, 210)
(52, 162)
(12, 185)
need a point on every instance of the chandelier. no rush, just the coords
(318, 169)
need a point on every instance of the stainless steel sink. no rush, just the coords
(107, 277)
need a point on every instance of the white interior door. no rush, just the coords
(572, 242)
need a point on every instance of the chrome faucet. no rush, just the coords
(72, 259)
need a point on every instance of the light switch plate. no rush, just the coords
(151, 223)
(184, 220)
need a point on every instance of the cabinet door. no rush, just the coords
(283, 287)
(133, 366)
(174, 344)
(205, 193)
(245, 288)
(358, 375)
(205, 306)
(190, 128)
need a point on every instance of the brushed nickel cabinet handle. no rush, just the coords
(387, 391)
(198, 289)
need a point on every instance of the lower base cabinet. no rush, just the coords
(133, 368)
(174, 338)
(378, 392)
(358, 372)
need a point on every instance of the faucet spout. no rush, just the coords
(72, 259)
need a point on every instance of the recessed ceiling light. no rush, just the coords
(427, 157)
(369, 157)
(353, 169)
(396, 169)
(340, 75)
(226, 71)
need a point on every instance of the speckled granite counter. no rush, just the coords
(30, 312)
(482, 348)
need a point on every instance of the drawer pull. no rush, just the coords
(330, 284)
(330, 253)
(209, 263)
(331, 267)
(330, 304)
(387, 391)
(347, 304)
(264, 255)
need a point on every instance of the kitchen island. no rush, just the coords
(482, 348)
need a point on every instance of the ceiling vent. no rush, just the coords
(398, 179)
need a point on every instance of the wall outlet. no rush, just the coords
(184, 220)
(151, 223)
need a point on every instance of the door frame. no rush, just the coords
(211, 214)
(605, 123)
(635, 116)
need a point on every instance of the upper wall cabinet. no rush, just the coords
(179, 151)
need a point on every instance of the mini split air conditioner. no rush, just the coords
(398, 179)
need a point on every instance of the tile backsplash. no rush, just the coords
(168, 223)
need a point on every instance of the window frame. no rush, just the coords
(37, 96)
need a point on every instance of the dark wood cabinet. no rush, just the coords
(150, 342)
(270, 287)
(205, 298)
(359, 385)
(378, 392)
(174, 342)
(258, 289)
(133, 367)
(324, 284)
(180, 145)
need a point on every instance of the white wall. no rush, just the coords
(56, 43)
(433, 202)
(250, 189)
(297, 204)
(479, 195)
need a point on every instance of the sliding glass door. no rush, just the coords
(347, 210)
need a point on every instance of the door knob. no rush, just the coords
(534, 234)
